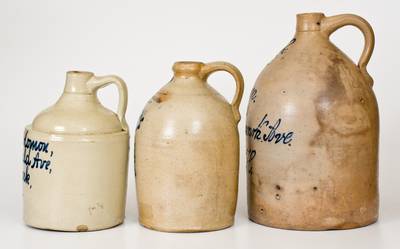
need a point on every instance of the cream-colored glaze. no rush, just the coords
(79, 111)
(323, 175)
(187, 153)
(84, 186)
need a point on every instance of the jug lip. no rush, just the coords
(309, 21)
(187, 67)
(79, 72)
(309, 14)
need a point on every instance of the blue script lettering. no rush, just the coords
(35, 162)
(272, 134)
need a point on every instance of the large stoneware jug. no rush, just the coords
(187, 152)
(312, 133)
(76, 159)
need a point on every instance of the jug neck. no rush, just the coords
(76, 82)
(309, 22)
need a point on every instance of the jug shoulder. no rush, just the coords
(199, 114)
(77, 120)
(304, 66)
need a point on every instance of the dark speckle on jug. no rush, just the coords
(287, 46)
(141, 119)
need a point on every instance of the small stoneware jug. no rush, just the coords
(76, 159)
(312, 133)
(187, 152)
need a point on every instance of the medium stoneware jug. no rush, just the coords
(187, 153)
(312, 133)
(76, 159)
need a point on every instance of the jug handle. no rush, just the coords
(212, 67)
(332, 23)
(97, 82)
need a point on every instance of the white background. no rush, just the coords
(139, 41)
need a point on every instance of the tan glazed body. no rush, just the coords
(76, 159)
(312, 133)
(187, 153)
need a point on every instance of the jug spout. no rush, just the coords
(309, 22)
(76, 82)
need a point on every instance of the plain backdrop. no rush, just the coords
(139, 41)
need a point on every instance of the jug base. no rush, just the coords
(185, 230)
(78, 228)
(296, 227)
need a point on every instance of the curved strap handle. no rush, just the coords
(97, 82)
(332, 23)
(212, 67)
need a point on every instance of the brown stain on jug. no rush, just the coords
(333, 92)
(82, 228)
(161, 97)
(340, 117)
